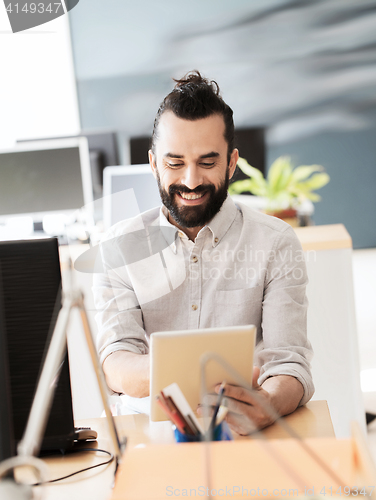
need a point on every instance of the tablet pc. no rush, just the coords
(175, 357)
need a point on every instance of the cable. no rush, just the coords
(81, 470)
(11, 489)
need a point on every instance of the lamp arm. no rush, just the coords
(32, 438)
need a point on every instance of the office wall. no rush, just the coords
(350, 160)
(303, 70)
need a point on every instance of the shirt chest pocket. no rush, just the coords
(238, 307)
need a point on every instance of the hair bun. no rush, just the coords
(195, 79)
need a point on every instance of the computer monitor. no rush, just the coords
(251, 145)
(103, 152)
(139, 149)
(45, 177)
(7, 445)
(127, 192)
(31, 282)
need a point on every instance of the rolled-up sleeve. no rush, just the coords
(285, 349)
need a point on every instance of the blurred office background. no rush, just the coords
(302, 70)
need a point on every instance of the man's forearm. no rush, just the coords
(128, 373)
(285, 391)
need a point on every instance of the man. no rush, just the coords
(224, 266)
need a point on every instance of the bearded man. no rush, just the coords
(221, 265)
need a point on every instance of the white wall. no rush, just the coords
(37, 83)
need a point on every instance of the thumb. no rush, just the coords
(256, 374)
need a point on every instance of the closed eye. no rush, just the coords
(175, 165)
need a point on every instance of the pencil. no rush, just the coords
(216, 409)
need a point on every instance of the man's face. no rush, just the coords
(190, 165)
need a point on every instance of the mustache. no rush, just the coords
(180, 188)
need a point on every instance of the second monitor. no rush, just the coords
(128, 191)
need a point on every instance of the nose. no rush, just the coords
(192, 176)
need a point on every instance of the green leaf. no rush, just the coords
(304, 171)
(252, 172)
(317, 181)
(284, 185)
(279, 174)
(247, 185)
(239, 186)
(313, 196)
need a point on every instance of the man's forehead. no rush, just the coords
(174, 132)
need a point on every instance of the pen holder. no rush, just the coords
(221, 433)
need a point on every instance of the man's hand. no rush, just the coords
(282, 392)
(245, 414)
(128, 373)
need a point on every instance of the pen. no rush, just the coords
(216, 409)
(223, 410)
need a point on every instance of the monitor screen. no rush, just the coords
(103, 149)
(128, 191)
(43, 177)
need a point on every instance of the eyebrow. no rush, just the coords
(212, 154)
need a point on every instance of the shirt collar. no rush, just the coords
(164, 222)
(222, 221)
(218, 226)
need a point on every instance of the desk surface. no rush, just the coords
(312, 420)
(328, 237)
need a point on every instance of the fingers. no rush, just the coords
(240, 424)
(243, 418)
(239, 393)
(256, 374)
(233, 405)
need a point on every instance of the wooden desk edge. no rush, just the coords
(310, 420)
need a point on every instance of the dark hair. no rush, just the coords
(193, 98)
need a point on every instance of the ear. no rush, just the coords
(152, 163)
(233, 162)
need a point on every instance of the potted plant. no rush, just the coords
(285, 188)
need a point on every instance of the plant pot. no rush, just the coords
(290, 215)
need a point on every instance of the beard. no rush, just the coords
(197, 215)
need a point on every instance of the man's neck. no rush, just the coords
(191, 232)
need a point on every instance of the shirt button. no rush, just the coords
(181, 234)
(194, 307)
(194, 258)
(216, 240)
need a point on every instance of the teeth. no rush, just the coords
(191, 196)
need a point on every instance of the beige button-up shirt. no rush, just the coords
(243, 268)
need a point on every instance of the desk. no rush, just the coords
(332, 323)
(331, 329)
(312, 420)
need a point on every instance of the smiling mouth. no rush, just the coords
(192, 196)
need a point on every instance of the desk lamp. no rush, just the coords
(30, 444)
